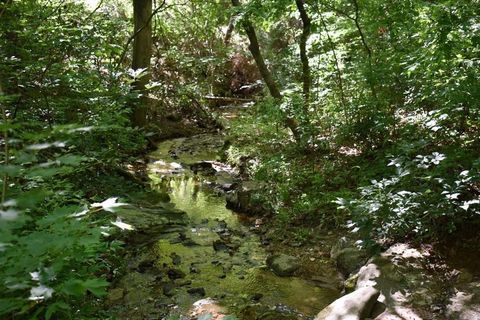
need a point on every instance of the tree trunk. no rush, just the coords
(142, 52)
(231, 26)
(254, 48)
(306, 77)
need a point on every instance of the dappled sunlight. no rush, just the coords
(349, 151)
(404, 251)
(239, 159)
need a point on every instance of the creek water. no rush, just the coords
(218, 253)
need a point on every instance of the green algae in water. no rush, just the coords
(190, 150)
(230, 276)
(188, 195)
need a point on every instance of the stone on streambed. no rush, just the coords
(283, 265)
(357, 305)
(348, 257)
(350, 260)
(175, 274)
(168, 289)
(203, 167)
(148, 220)
(115, 295)
(242, 199)
(262, 312)
(219, 245)
(208, 309)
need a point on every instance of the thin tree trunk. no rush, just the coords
(254, 48)
(142, 52)
(230, 28)
(356, 19)
(337, 66)
(306, 77)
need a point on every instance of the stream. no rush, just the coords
(207, 262)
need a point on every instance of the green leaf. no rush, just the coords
(74, 287)
(78, 288)
(71, 160)
(59, 214)
(31, 198)
(8, 305)
(25, 157)
(10, 170)
(97, 286)
(55, 308)
(43, 172)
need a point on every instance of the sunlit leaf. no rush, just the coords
(122, 225)
(40, 292)
(108, 205)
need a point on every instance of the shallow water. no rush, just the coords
(219, 250)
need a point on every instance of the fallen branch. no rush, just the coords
(227, 99)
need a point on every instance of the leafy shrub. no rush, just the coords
(51, 251)
(64, 120)
(427, 196)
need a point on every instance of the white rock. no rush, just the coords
(357, 305)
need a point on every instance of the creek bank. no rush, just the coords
(413, 282)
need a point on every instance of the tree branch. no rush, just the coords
(5, 4)
(94, 11)
(6, 147)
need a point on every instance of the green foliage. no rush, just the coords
(51, 248)
(427, 196)
(389, 78)
(63, 125)
(191, 57)
(59, 62)
(393, 81)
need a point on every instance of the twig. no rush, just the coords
(340, 12)
(367, 48)
(357, 24)
(5, 4)
(94, 11)
(227, 99)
